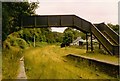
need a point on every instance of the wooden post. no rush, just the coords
(86, 41)
(91, 42)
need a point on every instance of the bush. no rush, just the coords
(10, 62)
(6, 45)
(15, 34)
(20, 42)
(13, 41)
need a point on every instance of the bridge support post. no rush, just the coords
(99, 46)
(87, 42)
(91, 42)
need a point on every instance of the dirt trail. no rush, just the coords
(22, 74)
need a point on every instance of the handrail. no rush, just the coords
(111, 32)
(102, 39)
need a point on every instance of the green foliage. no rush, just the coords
(28, 34)
(58, 36)
(25, 38)
(76, 33)
(10, 62)
(114, 27)
(6, 45)
(20, 42)
(41, 44)
(72, 34)
(12, 13)
(14, 40)
(68, 37)
(83, 36)
(41, 35)
(50, 63)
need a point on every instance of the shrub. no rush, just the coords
(10, 62)
(12, 41)
(20, 42)
(6, 44)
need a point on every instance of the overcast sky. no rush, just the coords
(95, 11)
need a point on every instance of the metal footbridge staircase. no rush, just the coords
(108, 38)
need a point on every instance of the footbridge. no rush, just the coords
(108, 38)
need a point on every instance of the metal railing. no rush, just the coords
(109, 31)
(104, 41)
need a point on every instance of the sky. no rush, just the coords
(95, 11)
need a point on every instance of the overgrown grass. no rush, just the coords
(46, 60)
(10, 62)
(103, 57)
(98, 54)
(11, 53)
(38, 44)
(0, 63)
(48, 63)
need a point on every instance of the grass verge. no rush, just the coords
(10, 62)
(48, 63)
(99, 55)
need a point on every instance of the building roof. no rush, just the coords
(79, 39)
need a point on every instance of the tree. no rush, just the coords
(83, 36)
(114, 27)
(71, 34)
(58, 37)
(68, 37)
(12, 13)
